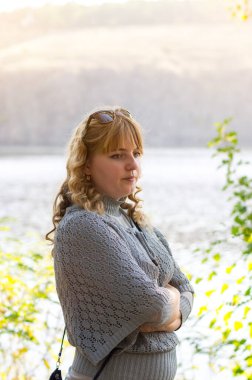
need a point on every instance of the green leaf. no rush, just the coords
(244, 181)
(204, 260)
(202, 310)
(238, 325)
(246, 310)
(224, 288)
(212, 323)
(250, 266)
(208, 293)
(239, 221)
(227, 316)
(225, 334)
(235, 230)
(211, 275)
(248, 291)
(198, 279)
(217, 257)
(230, 268)
(240, 280)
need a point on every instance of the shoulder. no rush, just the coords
(78, 222)
(85, 232)
(158, 233)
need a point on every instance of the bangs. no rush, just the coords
(122, 132)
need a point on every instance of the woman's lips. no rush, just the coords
(130, 179)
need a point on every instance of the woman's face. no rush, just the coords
(115, 174)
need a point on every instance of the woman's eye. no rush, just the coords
(116, 156)
(137, 154)
(122, 155)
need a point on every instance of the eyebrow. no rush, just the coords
(125, 150)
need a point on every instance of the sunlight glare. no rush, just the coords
(11, 5)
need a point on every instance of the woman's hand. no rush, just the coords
(166, 327)
(175, 320)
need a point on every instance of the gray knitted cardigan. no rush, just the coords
(110, 279)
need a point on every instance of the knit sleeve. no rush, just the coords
(179, 281)
(103, 292)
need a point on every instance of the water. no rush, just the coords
(181, 191)
(181, 195)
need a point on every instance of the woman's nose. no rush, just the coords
(132, 163)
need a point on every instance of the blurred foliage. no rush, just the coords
(27, 296)
(224, 278)
(240, 9)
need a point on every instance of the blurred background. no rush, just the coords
(179, 66)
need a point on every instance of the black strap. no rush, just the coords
(104, 363)
(61, 349)
(100, 369)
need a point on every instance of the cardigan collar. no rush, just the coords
(112, 206)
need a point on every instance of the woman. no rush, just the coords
(118, 284)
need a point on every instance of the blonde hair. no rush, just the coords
(89, 137)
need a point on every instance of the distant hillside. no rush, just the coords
(177, 79)
(23, 24)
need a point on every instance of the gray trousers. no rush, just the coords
(131, 366)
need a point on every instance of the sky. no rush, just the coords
(16, 4)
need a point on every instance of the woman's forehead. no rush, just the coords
(127, 143)
(123, 145)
